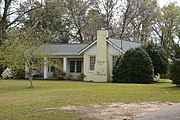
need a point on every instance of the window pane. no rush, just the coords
(78, 69)
(79, 63)
(72, 66)
(78, 66)
(92, 62)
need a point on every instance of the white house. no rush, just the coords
(95, 60)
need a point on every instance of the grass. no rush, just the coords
(18, 102)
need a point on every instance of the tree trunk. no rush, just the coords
(30, 81)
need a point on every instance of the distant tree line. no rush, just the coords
(78, 20)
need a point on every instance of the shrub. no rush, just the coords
(175, 67)
(115, 71)
(81, 76)
(69, 76)
(18, 74)
(175, 72)
(135, 67)
(158, 57)
(61, 75)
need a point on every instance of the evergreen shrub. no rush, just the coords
(158, 57)
(134, 67)
(175, 67)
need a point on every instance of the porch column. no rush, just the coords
(45, 68)
(65, 64)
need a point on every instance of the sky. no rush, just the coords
(165, 2)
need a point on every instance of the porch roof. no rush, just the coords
(62, 49)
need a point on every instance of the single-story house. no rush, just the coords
(94, 60)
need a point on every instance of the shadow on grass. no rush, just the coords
(173, 87)
(161, 81)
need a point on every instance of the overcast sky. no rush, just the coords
(165, 2)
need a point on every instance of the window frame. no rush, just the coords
(75, 66)
(90, 62)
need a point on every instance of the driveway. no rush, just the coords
(169, 113)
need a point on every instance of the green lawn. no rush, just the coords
(18, 102)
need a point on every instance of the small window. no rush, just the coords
(92, 62)
(72, 66)
(114, 59)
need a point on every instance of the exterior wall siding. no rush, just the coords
(89, 74)
(92, 51)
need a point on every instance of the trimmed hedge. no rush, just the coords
(135, 67)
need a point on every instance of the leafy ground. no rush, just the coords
(18, 102)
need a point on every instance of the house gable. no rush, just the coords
(113, 50)
(93, 45)
(87, 47)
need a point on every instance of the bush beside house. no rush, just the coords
(135, 67)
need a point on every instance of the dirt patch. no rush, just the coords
(115, 111)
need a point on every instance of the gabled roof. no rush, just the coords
(87, 47)
(116, 46)
(62, 49)
(121, 45)
(78, 49)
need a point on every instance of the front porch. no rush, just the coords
(67, 67)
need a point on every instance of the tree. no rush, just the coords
(135, 67)
(77, 10)
(166, 27)
(158, 57)
(7, 12)
(52, 17)
(175, 66)
(22, 48)
(135, 19)
(94, 22)
(108, 10)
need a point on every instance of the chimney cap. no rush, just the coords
(102, 28)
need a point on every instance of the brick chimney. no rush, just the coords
(100, 73)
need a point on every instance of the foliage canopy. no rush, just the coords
(22, 48)
(175, 66)
(158, 57)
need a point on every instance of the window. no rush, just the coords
(92, 62)
(75, 66)
(114, 59)
(72, 66)
(78, 66)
